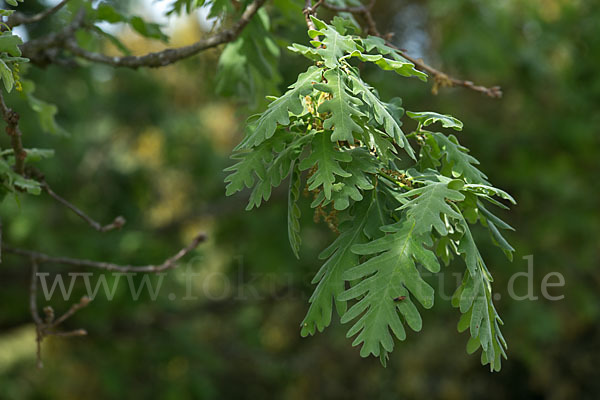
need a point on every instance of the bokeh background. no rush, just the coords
(151, 145)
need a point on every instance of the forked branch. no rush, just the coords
(47, 326)
(171, 55)
(20, 19)
(169, 263)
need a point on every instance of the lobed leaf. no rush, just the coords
(294, 211)
(346, 189)
(474, 297)
(341, 108)
(247, 66)
(329, 279)
(427, 118)
(327, 160)
(390, 274)
(397, 63)
(6, 74)
(428, 203)
(460, 162)
(280, 167)
(279, 110)
(9, 43)
(383, 113)
(334, 44)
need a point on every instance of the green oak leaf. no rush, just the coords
(7, 76)
(346, 189)
(340, 258)
(9, 43)
(391, 273)
(15, 182)
(494, 224)
(474, 299)
(251, 166)
(279, 110)
(341, 108)
(461, 163)
(294, 212)
(334, 45)
(397, 63)
(383, 113)
(280, 167)
(327, 160)
(401, 66)
(427, 118)
(428, 203)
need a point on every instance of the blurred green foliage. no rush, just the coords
(151, 146)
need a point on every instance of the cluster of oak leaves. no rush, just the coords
(397, 208)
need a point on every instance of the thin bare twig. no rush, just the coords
(169, 263)
(19, 19)
(364, 10)
(76, 332)
(310, 10)
(46, 49)
(74, 308)
(12, 129)
(47, 328)
(317, 5)
(33, 293)
(441, 79)
(34, 312)
(171, 55)
(117, 223)
(353, 10)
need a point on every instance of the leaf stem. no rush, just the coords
(392, 179)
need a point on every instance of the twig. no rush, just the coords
(46, 49)
(19, 19)
(369, 18)
(171, 55)
(76, 332)
(444, 80)
(117, 223)
(74, 308)
(169, 263)
(12, 129)
(310, 10)
(441, 79)
(364, 10)
(33, 293)
(47, 328)
(353, 10)
(34, 312)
